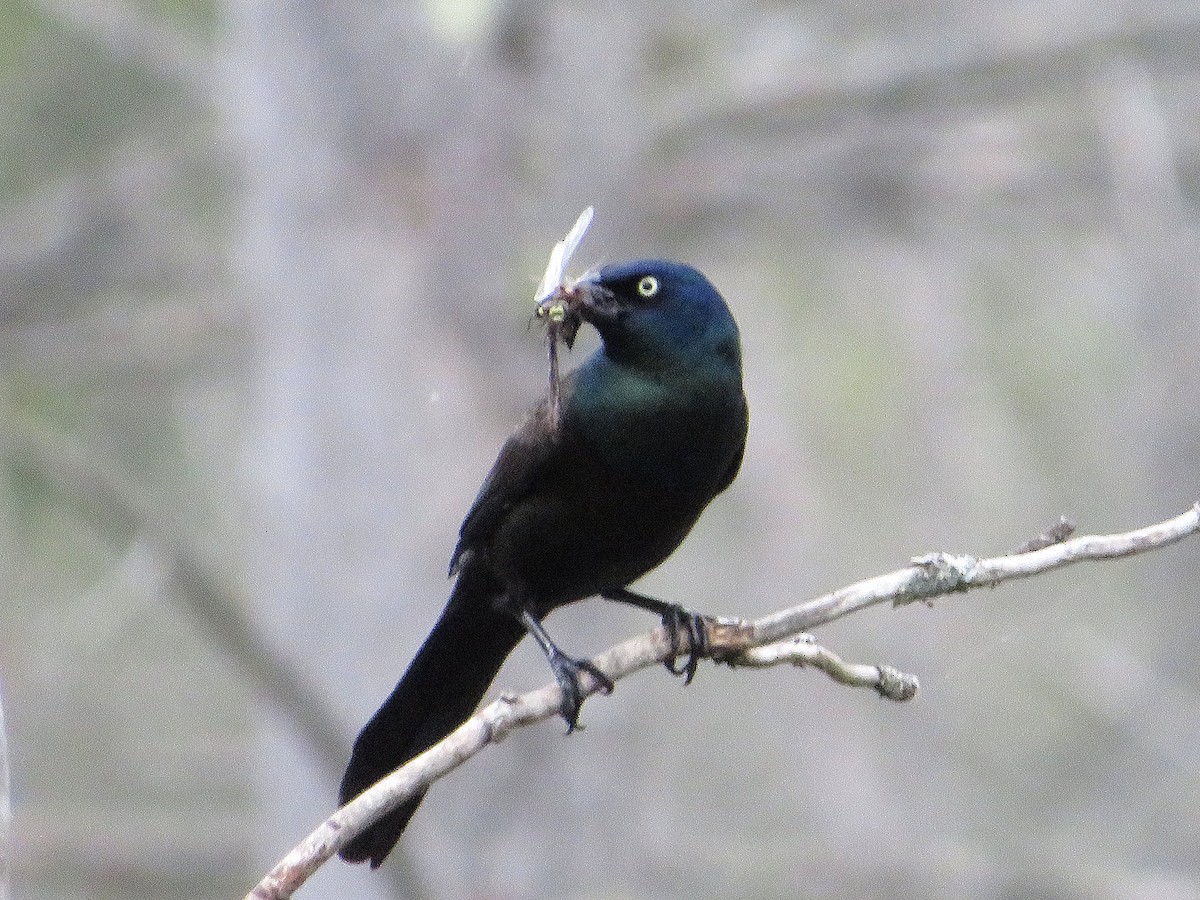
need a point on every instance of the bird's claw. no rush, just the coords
(678, 619)
(566, 673)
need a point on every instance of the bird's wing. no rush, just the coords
(526, 455)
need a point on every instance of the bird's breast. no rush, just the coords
(671, 435)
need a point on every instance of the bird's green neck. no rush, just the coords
(666, 423)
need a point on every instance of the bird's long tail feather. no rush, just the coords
(443, 685)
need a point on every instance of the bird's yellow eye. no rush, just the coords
(648, 286)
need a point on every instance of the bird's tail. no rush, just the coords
(440, 690)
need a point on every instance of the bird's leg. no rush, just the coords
(675, 618)
(566, 671)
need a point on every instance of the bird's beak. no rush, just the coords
(595, 302)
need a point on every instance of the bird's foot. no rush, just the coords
(676, 619)
(566, 673)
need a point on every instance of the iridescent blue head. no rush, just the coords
(659, 312)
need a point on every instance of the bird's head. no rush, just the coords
(654, 311)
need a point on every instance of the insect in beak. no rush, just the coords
(558, 301)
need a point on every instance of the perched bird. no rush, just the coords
(650, 428)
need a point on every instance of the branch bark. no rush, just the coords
(767, 641)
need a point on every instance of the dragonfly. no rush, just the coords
(554, 302)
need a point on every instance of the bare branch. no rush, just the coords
(802, 650)
(766, 641)
(941, 573)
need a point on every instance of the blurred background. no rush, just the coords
(266, 271)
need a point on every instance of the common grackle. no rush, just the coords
(652, 426)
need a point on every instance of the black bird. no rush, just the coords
(652, 426)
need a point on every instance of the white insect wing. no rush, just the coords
(560, 256)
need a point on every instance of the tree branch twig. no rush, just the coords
(767, 641)
(803, 651)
